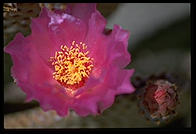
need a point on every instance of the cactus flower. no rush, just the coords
(70, 61)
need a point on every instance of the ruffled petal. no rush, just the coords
(126, 87)
(40, 36)
(105, 48)
(29, 68)
(82, 11)
(26, 61)
(107, 100)
(85, 105)
(96, 40)
(119, 79)
(118, 49)
(52, 30)
(48, 96)
(94, 101)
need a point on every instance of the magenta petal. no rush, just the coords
(119, 80)
(96, 40)
(40, 36)
(82, 11)
(94, 102)
(26, 61)
(107, 100)
(48, 98)
(118, 49)
(126, 86)
(29, 68)
(99, 98)
(84, 107)
(18, 49)
(52, 30)
(121, 35)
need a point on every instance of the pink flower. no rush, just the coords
(70, 62)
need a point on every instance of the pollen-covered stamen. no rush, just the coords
(72, 66)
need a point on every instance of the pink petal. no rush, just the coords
(95, 39)
(85, 105)
(94, 101)
(82, 11)
(118, 49)
(126, 86)
(107, 100)
(34, 76)
(48, 98)
(52, 30)
(119, 80)
(100, 97)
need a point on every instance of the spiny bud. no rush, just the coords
(159, 100)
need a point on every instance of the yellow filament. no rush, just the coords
(72, 64)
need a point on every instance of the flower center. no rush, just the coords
(72, 66)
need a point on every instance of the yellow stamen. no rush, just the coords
(72, 65)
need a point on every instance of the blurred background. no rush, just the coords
(159, 43)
